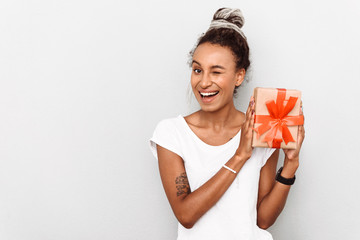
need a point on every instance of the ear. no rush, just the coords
(240, 76)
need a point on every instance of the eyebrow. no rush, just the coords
(212, 67)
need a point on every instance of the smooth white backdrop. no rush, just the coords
(84, 83)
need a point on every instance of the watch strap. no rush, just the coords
(281, 179)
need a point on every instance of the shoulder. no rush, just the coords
(169, 130)
(167, 134)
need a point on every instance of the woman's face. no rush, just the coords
(214, 76)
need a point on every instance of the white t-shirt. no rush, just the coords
(233, 217)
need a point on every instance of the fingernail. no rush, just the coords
(252, 112)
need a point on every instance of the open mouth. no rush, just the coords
(208, 94)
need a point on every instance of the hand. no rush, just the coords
(245, 149)
(292, 155)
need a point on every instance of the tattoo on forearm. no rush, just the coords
(182, 184)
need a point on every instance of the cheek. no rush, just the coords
(193, 81)
(227, 84)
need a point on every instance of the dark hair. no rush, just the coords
(228, 37)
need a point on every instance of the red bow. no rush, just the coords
(278, 121)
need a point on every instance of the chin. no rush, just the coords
(209, 108)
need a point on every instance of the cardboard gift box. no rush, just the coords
(277, 117)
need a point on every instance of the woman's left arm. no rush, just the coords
(272, 194)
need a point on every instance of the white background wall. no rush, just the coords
(83, 84)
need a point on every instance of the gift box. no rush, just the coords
(277, 117)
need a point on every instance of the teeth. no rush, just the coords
(208, 94)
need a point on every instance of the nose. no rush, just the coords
(205, 81)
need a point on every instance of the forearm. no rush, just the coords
(198, 202)
(273, 203)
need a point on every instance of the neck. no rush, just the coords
(219, 119)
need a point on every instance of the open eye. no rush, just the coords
(196, 70)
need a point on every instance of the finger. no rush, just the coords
(245, 125)
(252, 117)
(251, 121)
(248, 111)
(285, 151)
(251, 108)
(247, 116)
(301, 111)
(302, 131)
(290, 153)
(251, 103)
(301, 135)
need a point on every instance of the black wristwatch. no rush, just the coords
(286, 181)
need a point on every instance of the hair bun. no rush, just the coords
(232, 15)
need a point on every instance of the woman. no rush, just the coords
(218, 186)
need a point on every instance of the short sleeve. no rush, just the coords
(266, 153)
(166, 136)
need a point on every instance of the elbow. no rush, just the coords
(187, 225)
(186, 221)
(263, 224)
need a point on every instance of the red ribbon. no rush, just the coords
(277, 122)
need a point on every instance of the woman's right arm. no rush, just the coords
(189, 206)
